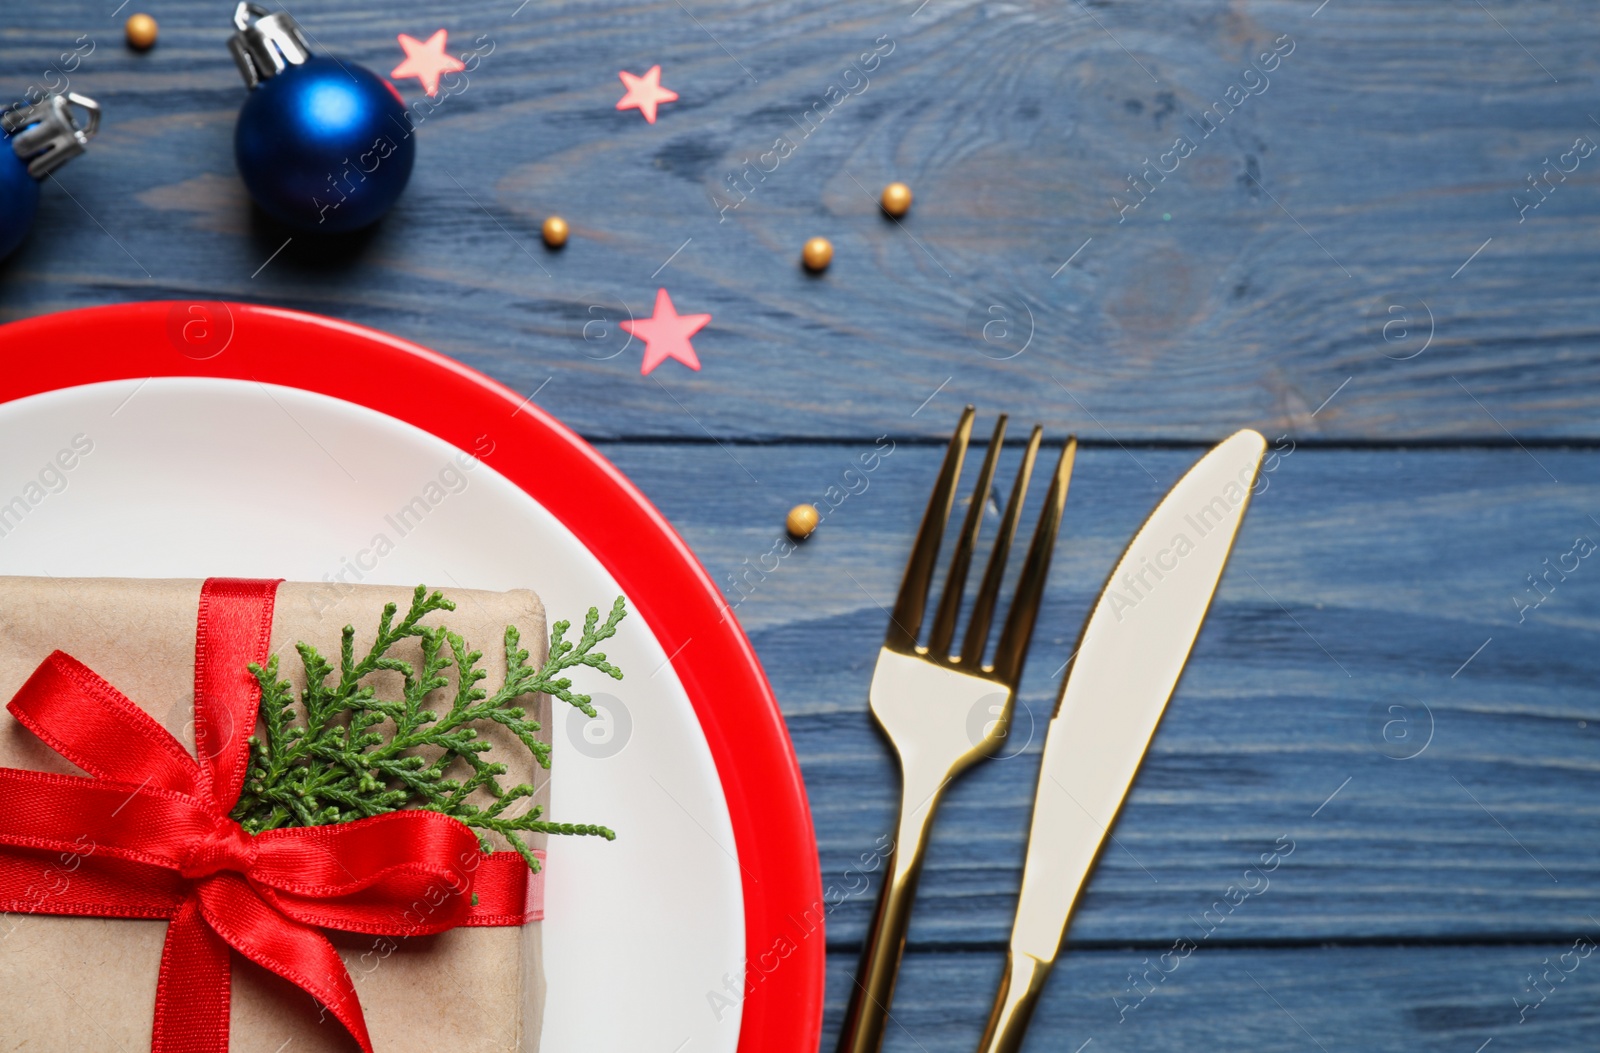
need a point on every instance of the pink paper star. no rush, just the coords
(644, 93)
(666, 334)
(426, 60)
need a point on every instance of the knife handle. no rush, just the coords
(1013, 1006)
(868, 1013)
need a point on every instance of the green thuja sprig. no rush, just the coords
(338, 752)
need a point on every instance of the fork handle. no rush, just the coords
(868, 1013)
(1013, 1005)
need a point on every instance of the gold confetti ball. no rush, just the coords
(802, 521)
(897, 199)
(555, 232)
(141, 30)
(817, 254)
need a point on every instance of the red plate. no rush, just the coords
(755, 761)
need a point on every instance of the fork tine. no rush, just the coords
(906, 620)
(993, 575)
(1013, 646)
(944, 623)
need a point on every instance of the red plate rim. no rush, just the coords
(781, 873)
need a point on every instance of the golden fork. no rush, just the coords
(925, 698)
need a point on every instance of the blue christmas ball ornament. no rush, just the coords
(19, 198)
(35, 140)
(322, 145)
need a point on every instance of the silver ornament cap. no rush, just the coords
(265, 44)
(46, 134)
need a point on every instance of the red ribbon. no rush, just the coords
(148, 836)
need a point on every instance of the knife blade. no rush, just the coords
(1132, 651)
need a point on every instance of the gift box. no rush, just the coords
(100, 948)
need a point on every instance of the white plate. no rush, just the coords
(191, 477)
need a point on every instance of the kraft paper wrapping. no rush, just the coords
(70, 984)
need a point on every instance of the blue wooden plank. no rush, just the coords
(1299, 1000)
(1363, 580)
(1314, 241)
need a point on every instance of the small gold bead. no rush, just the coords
(817, 254)
(555, 232)
(141, 32)
(802, 521)
(897, 199)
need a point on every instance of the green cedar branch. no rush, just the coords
(338, 752)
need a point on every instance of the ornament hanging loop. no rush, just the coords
(265, 44)
(46, 134)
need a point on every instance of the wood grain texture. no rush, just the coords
(1318, 236)
(1382, 1000)
(1342, 259)
(1362, 580)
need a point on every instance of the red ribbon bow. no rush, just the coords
(149, 834)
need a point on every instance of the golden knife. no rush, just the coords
(1128, 661)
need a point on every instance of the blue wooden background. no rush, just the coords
(1357, 259)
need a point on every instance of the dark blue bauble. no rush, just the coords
(19, 198)
(324, 146)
